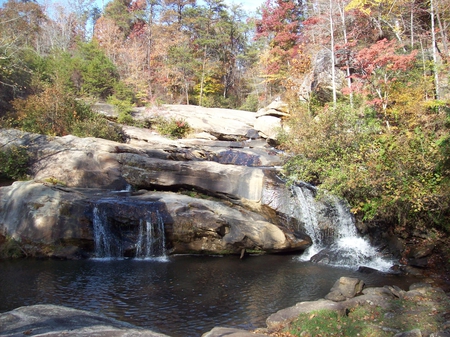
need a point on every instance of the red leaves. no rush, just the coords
(382, 54)
(280, 24)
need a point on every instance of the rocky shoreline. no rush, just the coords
(422, 310)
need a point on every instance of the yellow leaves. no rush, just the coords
(363, 5)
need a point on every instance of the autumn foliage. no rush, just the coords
(367, 81)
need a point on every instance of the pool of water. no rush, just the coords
(180, 295)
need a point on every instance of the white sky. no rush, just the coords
(248, 5)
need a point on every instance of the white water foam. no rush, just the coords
(344, 241)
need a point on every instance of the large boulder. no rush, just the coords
(345, 288)
(52, 320)
(44, 220)
(320, 80)
(268, 126)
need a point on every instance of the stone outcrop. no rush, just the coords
(319, 80)
(53, 320)
(57, 221)
(52, 215)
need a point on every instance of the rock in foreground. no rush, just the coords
(53, 320)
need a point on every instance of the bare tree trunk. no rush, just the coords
(442, 32)
(347, 65)
(202, 81)
(424, 67)
(433, 38)
(411, 21)
(333, 61)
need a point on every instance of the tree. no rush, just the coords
(19, 30)
(376, 68)
(118, 12)
(280, 27)
(174, 11)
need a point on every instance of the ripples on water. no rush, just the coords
(179, 296)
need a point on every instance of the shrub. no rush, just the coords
(56, 112)
(10, 248)
(123, 107)
(172, 127)
(99, 127)
(14, 162)
(392, 174)
(251, 103)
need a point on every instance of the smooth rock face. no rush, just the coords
(238, 181)
(53, 320)
(62, 217)
(35, 215)
(269, 126)
(52, 215)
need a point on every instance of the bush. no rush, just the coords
(124, 107)
(251, 103)
(99, 127)
(14, 162)
(56, 112)
(172, 127)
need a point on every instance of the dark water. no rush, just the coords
(183, 296)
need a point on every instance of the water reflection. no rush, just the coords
(184, 296)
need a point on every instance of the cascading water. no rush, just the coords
(106, 245)
(148, 242)
(151, 240)
(336, 240)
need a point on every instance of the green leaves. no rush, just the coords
(14, 162)
(399, 176)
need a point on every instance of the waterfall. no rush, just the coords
(151, 239)
(333, 233)
(106, 245)
(110, 240)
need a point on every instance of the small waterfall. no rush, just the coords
(151, 239)
(333, 233)
(306, 214)
(110, 240)
(106, 245)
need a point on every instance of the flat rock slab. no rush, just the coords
(53, 320)
(230, 332)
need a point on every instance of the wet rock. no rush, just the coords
(53, 320)
(252, 134)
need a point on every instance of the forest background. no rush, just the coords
(375, 134)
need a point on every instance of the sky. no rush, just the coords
(248, 5)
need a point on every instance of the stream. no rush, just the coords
(177, 295)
